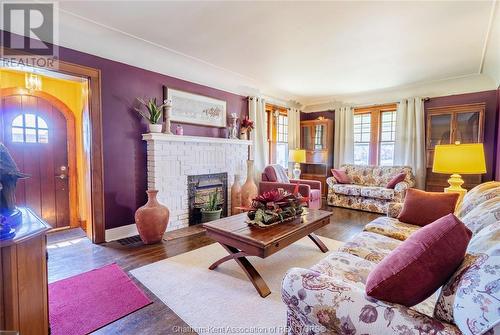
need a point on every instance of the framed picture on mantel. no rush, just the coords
(196, 109)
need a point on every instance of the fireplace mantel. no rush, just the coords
(160, 137)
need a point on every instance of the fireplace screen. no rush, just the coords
(199, 189)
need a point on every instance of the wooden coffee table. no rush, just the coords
(241, 240)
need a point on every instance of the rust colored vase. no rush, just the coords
(152, 219)
(249, 190)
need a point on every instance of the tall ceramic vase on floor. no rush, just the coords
(235, 195)
(249, 190)
(152, 219)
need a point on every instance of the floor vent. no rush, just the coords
(130, 240)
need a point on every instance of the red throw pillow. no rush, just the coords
(420, 265)
(341, 176)
(396, 179)
(421, 208)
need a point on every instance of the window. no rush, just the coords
(374, 135)
(282, 141)
(277, 129)
(362, 137)
(29, 128)
(387, 138)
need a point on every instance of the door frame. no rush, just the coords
(71, 143)
(96, 230)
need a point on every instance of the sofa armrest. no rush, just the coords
(394, 209)
(342, 307)
(400, 191)
(315, 184)
(266, 186)
(330, 181)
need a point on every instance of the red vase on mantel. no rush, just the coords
(152, 219)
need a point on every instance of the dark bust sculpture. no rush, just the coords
(9, 174)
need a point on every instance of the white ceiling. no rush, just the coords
(312, 50)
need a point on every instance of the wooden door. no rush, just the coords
(35, 132)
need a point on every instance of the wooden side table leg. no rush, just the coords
(252, 274)
(318, 242)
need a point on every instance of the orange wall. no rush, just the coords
(73, 95)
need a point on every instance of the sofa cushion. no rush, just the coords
(396, 179)
(391, 227)
(483, 215)
(340, 176)
(472, 202)
(466, 289)
(421, 208)
(478, 194)
(347, 189)
(369, 175)
(370, 246)
(377, 192)
(421, 264)
(346, 266)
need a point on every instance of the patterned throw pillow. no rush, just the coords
(483, 215)
(472, 202)
(470, 298)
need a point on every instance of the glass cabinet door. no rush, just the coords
(440, 129)
(467, 127)
(306, 137)
(319, 137)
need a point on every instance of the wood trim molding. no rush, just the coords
(96, 230)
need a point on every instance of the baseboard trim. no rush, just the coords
(121, 232)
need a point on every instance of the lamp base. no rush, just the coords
(296, 171)
(456, 183)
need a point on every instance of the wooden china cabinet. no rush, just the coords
(446, 125)
(316, 137)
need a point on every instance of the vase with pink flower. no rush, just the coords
(245, 128)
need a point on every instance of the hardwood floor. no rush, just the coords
(71, 253)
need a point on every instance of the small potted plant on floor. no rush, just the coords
(154, 114)
(212, 209)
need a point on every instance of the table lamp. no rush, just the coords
(456, 159)
(297, 156)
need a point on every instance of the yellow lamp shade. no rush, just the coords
(459, 159)
(297, 156)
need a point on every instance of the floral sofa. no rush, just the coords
(329, 298)
(368, 190)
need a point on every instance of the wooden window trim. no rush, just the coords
(272, 129)
(375, 129)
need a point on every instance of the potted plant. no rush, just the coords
(212, 210)
(154, 114)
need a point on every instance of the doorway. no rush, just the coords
(39, 131)
(53, 132)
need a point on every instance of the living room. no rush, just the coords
(303, 167)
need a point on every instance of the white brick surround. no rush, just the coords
(171, 158)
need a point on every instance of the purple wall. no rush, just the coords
(490, 98)
(497, 174)
(315, 115)
(125, 177)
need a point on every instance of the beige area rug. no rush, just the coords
(224, 301)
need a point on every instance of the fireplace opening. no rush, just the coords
(199, 189)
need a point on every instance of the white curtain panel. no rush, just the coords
(409, 148)
(343, 148)
(260, 148)
(293, 128)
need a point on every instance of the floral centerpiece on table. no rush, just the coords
(245, 128)
(276, 206)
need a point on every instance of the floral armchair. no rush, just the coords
(329, 298)
(368, 190)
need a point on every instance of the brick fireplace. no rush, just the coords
(171, 159)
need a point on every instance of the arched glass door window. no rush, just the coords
(29, 128)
